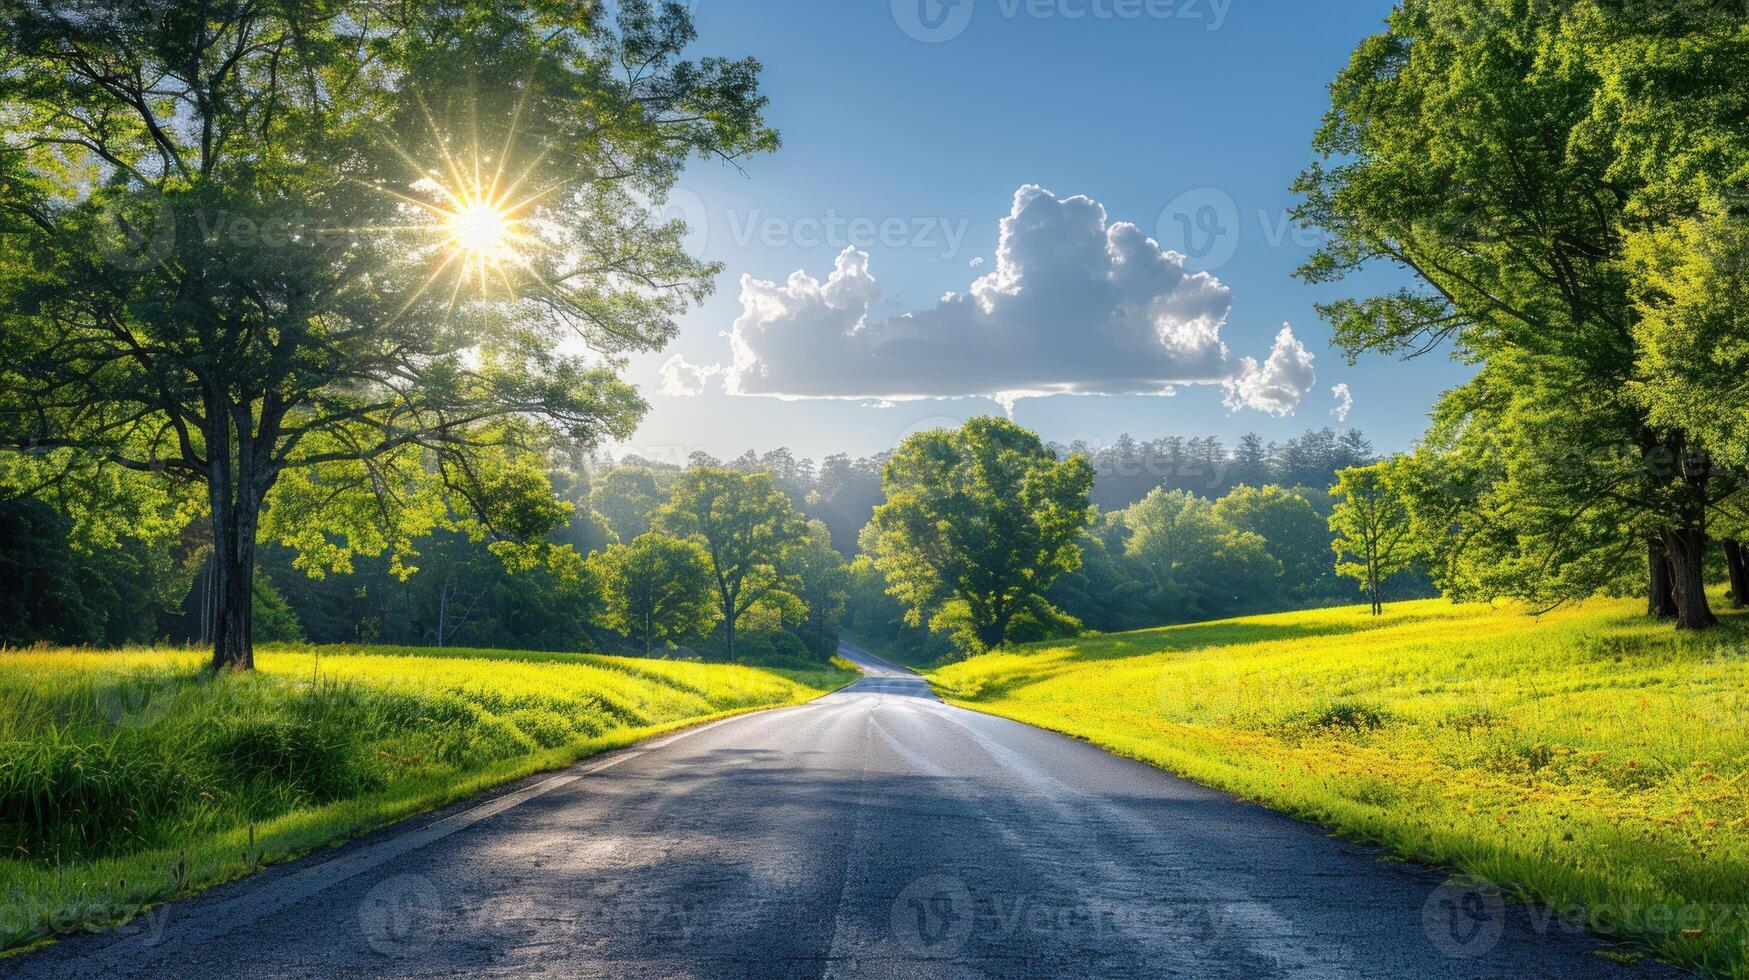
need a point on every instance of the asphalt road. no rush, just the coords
(874, 833)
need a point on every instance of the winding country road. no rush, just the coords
(873, 833)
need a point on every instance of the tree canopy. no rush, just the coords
(977, 524)
(1479, 145)
(341, 272)
(655, 589)
(746, 527)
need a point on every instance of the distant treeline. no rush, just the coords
(57, 589)
(843, 491)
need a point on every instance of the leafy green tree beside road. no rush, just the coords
(1511, 157)
(655, 589)
(977, 524)
(244, 243)
(822, 583)
(746, 527)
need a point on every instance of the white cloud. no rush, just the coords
(683, 379)
(1074, 305)
(1277, 385)
(1344, 402)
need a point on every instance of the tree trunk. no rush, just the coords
(995, 631)
(1660, 592)
(729, 635)
(1739, 566)
(1687, 551)
(235, 496)
(233, 571)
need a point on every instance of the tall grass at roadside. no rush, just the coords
(129, 777)
(1589, 759)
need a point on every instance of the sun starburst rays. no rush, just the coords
(472, 213)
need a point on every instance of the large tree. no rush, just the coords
(977, 524)
(747, 528)
(355, 243)
(1467, 145)
(655, 589)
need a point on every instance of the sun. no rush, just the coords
(482, 221)
(481, 231)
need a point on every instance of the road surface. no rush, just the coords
(874, 833)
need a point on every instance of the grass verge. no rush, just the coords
(1589, 760)
(131, 778)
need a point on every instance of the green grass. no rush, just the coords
(132, 777)
(1589, 759)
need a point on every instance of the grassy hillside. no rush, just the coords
(127, 778)
(1587, 758)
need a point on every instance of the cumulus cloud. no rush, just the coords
(1277, 385)
(1344, 402)
(1074, 304)
(683, 379)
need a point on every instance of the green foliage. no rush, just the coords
(747, 527)
(1675, 114)
(1196, 563)
(1293, 532)
(822, 581)
(977, 524)
(52, 589)
(1541, 169)
(275, 621)
(463, 595)
(1372, 529)
(227, 266)
(627, 497)
(655, 589)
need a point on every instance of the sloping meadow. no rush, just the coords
(1588, 760)
(127, 778)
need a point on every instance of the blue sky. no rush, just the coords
(911, 146)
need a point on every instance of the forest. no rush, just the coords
(1227, 532)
